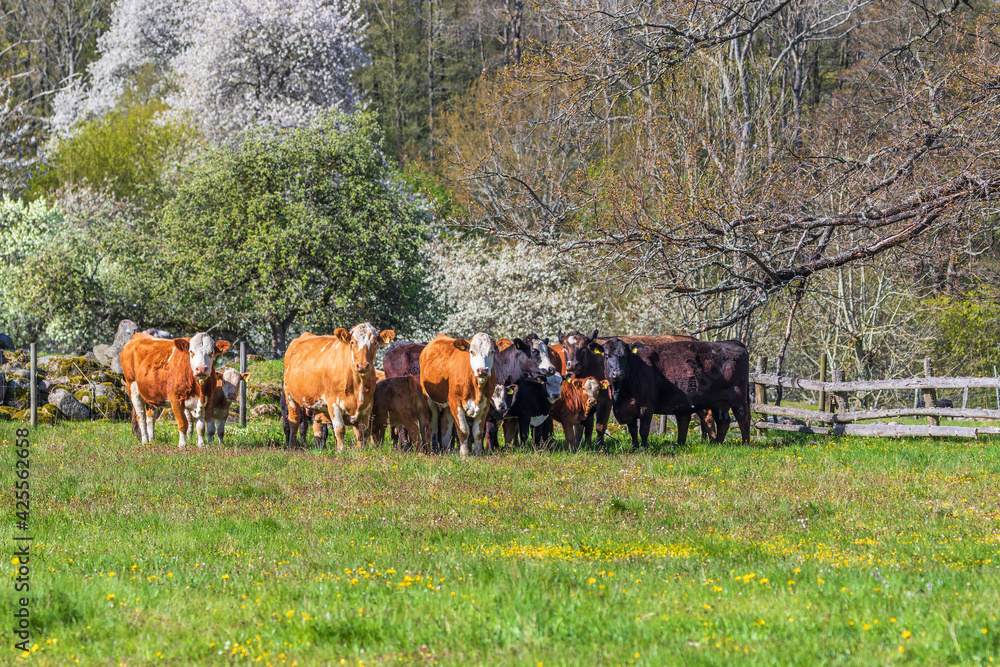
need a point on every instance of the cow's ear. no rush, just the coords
(605, 384)
(221, 346)
(559, 336)
(546, 341)
(343, 334)
(596, 348)
(387, 336)
(245, 377)
(181, 344)
(522, 346)
(636, 347)
(461, 345)
(540, 380)
(593, 336)
(577, 383)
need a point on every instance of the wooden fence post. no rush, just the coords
(760, 391)
(822, 378)
(965, 397)
(243, 385)
(840, 376)
(930, 395)
(33, 384)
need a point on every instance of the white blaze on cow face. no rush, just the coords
(365, 340)
(201, 353)
(553, 387)
(231, 379)
(545, 364)
(482, 349)
(591, 389)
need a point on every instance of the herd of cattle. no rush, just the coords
(452, 387)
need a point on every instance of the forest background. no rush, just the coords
(807, 176)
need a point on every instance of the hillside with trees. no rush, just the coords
(806, 176)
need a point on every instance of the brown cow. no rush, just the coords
(400, 402)
(179, 373)
(227, 386)
(458, 375)
(578, 399)
(333, 375)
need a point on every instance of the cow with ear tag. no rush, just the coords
(333, 376)
(578, 399)
(530, 408)
(227, 387)
(179, 373)
(677, 379)
(457, 377)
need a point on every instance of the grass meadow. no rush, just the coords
(790, 551)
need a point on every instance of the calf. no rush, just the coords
(399, 401)
(333, 375)
(530, 407)
(227, 386)
(319, 424)
(457, 377)
(179, 373)
(677, 378)
(578, 399)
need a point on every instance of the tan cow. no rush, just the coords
(400, 402)
(457, 377)
(227, 387)
(578, 399)
(179, 373)
(333, 375)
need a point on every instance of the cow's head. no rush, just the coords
(576, 346)
(590, 388)
(539, 351)
(202, 352)
(503, 397)
(231, 380)
(481, 351)
(364, 340)
(553, 386)
(615, 352)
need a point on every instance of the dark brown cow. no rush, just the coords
(402, 359)
(179, 373)
(457, 377)
(677, 378)
(333, 375)
(399, 401)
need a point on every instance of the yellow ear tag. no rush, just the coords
(635, 350)
(598, 352)
(510, 391)
(463, 348)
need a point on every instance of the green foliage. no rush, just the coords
(966, 334)
(125, 152)
(303, 225)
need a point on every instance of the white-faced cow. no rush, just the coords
(457, 377)
(335, 376)
(677, 379)
(227, 387)
(179, 373)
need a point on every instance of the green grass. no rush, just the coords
(817, 551)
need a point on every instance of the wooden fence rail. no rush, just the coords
(840, 420)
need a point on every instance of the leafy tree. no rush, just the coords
(307, 225)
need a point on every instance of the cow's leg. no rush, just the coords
(478, 431)
(722, 422)
(447, 429)
(338, 426)
(584, 431)
(434, 424)
(294, 421)
(645, 421)
(463, 427)
(524, 430)
(709, 430)
(633, 431)
(602, 416)
(220, 429)
(139, 406)
(510, 431)
(152, 414)
(180, 416)
(683, 422)
(569, 433)
(741, 410)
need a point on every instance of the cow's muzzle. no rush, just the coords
(362, 368)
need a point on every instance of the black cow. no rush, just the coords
(530, 407)
(677, 379)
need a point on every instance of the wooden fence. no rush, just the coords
(839, 419)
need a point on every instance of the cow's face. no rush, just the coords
(615, 352)
(576, 347)
(553, 386)
(503, 397)
(538, 349)
(591, 390)
(231, 380)
(481, 350)
(202, 352)
(364, 340)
